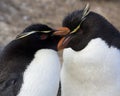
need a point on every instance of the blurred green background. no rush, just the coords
(15, 15)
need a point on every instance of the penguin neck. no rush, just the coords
(18, 48)
(109, 34)
(41, 77)
(101, 28)
(93, 71)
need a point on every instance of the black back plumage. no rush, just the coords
(93, 26)
(19, 53)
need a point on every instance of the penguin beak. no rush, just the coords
(63, 43)
(64, 32)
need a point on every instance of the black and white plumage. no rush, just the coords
(29, 65)
(91, 58)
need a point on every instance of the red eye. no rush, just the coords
(43, 37)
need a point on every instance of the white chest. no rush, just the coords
(94, 71)
(41, 78)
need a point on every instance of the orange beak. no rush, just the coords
(63, 31)
(63, 42)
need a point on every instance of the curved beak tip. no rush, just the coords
(60, 45)
(63, 31)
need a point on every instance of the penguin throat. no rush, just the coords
(41, 77)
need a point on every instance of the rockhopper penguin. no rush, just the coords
(91, 58)
(29, 65)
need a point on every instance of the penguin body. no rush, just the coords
(25, 62)
(91, 64)
(90, 72)
(40, 67)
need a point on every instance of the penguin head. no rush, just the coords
(19, 53)
(38, 36)
(82, 26)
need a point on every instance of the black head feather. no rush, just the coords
(94, 26)
(16, 56)
(37, 36)
(37, 27)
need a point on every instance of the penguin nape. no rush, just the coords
(91, 58)
(29, 65)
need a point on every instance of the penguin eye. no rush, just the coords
(43, 36)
